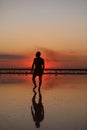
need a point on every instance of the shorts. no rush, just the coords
(38, 72)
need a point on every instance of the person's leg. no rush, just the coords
(33, 99)
(34, 82)
(40, 80)
(40, 97)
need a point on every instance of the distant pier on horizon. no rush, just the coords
(52, 71)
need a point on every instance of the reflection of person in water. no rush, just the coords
(37, 69)
(37, 110)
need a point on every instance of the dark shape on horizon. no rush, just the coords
(47, 71)
(37, 109)
(37, 69)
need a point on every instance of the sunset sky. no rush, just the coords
(56, 27)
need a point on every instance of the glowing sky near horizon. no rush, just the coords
(55, 24)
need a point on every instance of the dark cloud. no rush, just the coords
(11, 56)
(59, 56)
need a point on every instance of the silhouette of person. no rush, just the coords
(37, 109)
(37, 69)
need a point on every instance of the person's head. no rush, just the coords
(37, 123)
(38, 54)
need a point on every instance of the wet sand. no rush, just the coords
(64, 99)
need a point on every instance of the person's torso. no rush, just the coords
(38, 63)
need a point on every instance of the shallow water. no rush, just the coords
(64, 99)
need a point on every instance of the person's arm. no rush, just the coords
(43, 66)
